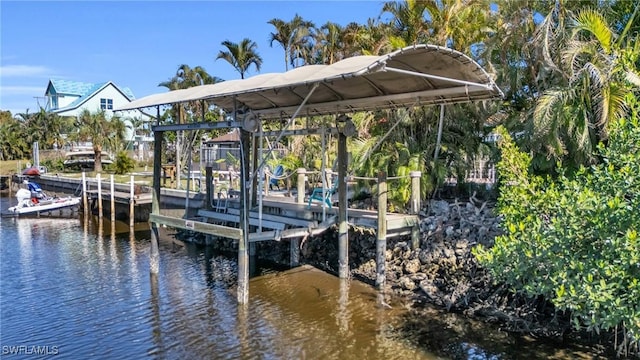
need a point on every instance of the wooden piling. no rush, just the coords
(154, 256)
(208, 180)
(415, 207)
(85, 202)
(99, 180)
(131, 204)
(415, 191)
(301, 185)
(243, 242)
(343, 230)
(113, 200)
(294, 251)
(381, 241)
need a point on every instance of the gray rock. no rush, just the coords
(412, 266)
(406, 283)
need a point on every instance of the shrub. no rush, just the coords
(575, 239)
(123, 163)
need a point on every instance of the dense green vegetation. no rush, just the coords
(569, 191)
(575, 239)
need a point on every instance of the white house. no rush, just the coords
(70, 98)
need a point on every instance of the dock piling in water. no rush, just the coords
(85, 203)
(131, 204)
(381, 241)
(113, 201)
(99, 180)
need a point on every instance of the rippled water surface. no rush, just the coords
(67, 287)
(82, 290)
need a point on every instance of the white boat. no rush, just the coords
(35, 201)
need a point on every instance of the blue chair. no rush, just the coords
(274, 181)
(316, 194)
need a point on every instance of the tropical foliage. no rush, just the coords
(19, 132)
(569, 71)
(123, 163)
(573, 116)
(102, 132)
(241, 55)
(574, 240)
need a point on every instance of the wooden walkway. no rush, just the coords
(282, 217)
(121, 197)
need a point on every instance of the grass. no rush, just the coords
(11, 166)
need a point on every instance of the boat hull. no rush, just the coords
(26, 208)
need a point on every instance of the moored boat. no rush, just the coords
(34, 201)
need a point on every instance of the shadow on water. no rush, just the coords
(309, 307)
(456, 337)
(111, 305)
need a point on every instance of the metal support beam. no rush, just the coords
(198, 126)
(436, 77)
(427, 97)
(295, 114)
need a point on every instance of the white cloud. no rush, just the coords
(23, 70)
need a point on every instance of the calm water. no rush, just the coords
(79, 290)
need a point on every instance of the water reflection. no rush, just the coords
(86, 287)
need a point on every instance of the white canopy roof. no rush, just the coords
(416, 75)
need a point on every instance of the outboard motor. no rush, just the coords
(23, 194)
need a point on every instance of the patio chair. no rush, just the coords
(316, 194)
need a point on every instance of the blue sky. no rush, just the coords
(140, 44)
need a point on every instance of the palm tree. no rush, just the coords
(241, 56)
(597, 65)
(329, 44)
(458, 24)
(293, 36)
(409, 19)
(46, 128)
(102, 132)
(187, 77)
(13, 144)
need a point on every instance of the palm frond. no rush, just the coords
(593, 22)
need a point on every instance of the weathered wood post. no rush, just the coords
(301, 185)
(208, 180)
(381, 241)
(243, 242)
(267, 181)
(343, 230)
(99, 180)
(415, 207)
(85, 202)
(131, 204)
(294, 251)
(113, 199)
(154, 253)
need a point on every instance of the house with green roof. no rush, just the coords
(70, 98)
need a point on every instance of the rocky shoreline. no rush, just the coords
(443, 272)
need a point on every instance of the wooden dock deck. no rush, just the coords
(286, 218)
